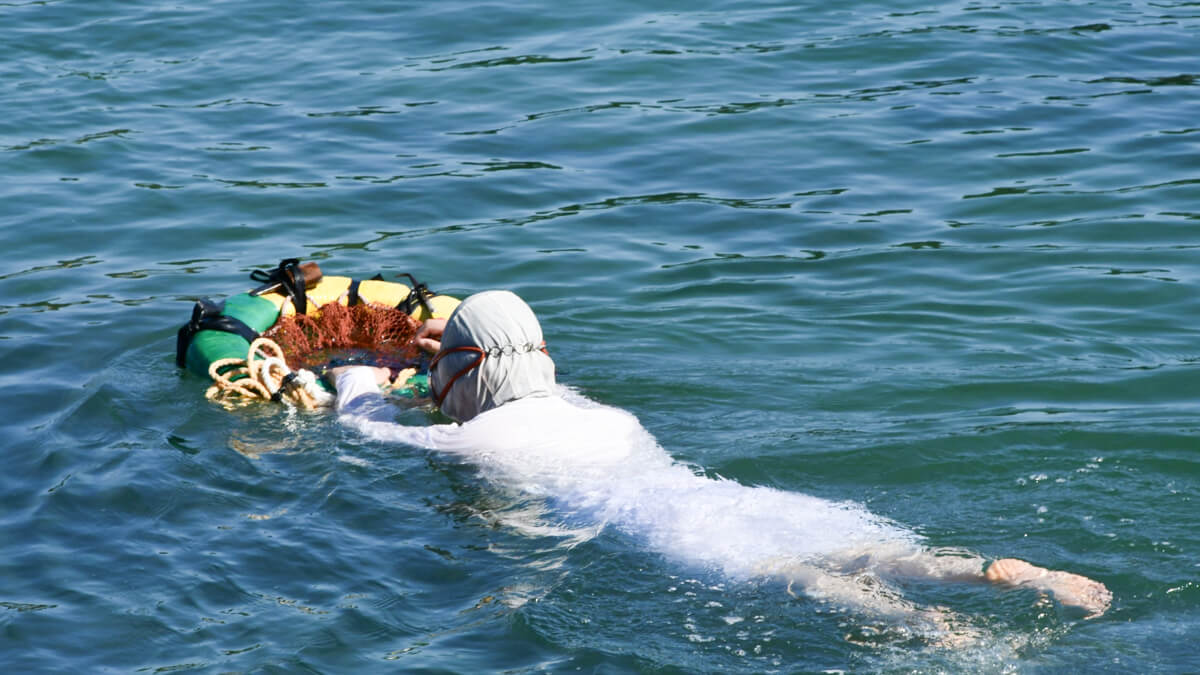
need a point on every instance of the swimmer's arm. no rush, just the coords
(361, 406)
(357, 385)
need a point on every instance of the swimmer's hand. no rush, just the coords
(429, 335)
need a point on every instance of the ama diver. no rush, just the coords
(492, 375)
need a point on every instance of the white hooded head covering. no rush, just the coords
(513, 366)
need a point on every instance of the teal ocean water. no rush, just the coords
(939, 260)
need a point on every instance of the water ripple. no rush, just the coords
(940, 260)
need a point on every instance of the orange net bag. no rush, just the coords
(379, 336)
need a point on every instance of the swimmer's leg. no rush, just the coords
(955, 565)
(901, 559)
(862, 590)
(859, 591)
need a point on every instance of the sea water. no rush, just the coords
(933, 263)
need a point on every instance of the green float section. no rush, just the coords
(416, 386)
(212, 345)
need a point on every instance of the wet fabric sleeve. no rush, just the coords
(361, 407)
(357, 393)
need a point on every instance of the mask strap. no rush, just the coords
(439, 397)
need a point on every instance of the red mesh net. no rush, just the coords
(363, 333)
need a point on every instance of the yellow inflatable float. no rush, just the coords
(231, 341)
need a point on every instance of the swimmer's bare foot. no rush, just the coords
(1069, 589)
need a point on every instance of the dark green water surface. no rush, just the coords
(942, 260)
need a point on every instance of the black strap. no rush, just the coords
(352, 296)
(206, 315)
(285, 384)
(291, 280)
(417, 297)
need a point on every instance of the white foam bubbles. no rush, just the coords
(633, 484)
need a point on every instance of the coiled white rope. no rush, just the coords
(264, 375)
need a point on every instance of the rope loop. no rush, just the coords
(264, 375)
